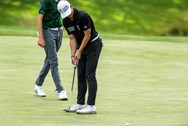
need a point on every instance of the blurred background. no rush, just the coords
(130, 17)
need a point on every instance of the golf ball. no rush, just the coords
(126, 124)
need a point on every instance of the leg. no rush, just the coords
(82, 84)
(51, 50)
(91, 66)
(92, 57)
(59, 40)
(44, 71)
(46, 67)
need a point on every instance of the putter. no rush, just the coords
(75, 66)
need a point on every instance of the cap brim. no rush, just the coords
(67, 13)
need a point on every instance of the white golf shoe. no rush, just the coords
(63, 95)
(39, 90)
(89, 109)
(74, 108)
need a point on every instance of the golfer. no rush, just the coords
(85, 46)
(50, 38)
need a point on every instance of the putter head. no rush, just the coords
(68, 109)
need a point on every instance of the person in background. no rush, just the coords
(50, 38)
(86, 46)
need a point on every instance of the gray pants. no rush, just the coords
(53, 41)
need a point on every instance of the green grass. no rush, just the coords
(142, 82)
(22, 31)
(133, 17)
(17, 31)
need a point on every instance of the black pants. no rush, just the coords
(87, 72)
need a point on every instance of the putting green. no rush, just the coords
(143, 83)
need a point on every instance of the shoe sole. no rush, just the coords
(63, 99)
(39, 95)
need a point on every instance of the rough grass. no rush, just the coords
(140, 82)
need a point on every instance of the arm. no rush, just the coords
(87, 36)
(73, 45)
(41, 41)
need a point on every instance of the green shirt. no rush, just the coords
(52, 17)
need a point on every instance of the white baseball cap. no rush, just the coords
(64, 8)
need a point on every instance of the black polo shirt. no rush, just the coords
(81, 22)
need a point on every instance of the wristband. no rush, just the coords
(72, 56)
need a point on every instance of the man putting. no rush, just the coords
(86, 47)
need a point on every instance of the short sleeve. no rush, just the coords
(42, 7)
(85, 22)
